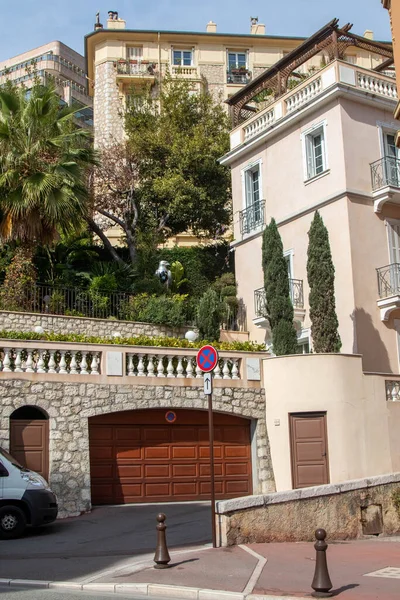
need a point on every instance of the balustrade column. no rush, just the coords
(170, 367)
(73, 367)
(189, 367)
(179, 369)
(41, 364)
(52, 362)
(84, 364)
(150, 367)
(131, 368)
(29, 362)
(62, 367)
(18, 362)
(160, 367)
(7, 361)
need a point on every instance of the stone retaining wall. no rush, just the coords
(16, 321)
(69, 405)
(346, 511)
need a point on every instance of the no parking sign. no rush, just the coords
(207, 358)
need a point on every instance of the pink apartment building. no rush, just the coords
(328, 144)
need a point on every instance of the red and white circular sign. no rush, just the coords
(207, 358)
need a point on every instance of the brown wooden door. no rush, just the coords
(29, 444)
(309, 449)
(138, 457)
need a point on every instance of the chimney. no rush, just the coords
(369, 34)
(114, 22)
(98, 25)
(256, 27)
(211, 27)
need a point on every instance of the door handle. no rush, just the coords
(324, 454)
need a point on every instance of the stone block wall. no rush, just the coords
(15, 321)
(346, 511)
(108, 121)
(216, 78)
(69, 406)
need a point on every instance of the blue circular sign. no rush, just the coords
(170, 416)
(207, 358)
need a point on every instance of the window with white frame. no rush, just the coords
(182, 58)
(304, 341)
(237, 60)
(252, 217)
(134, 52)
(315, 151)
(252, 185)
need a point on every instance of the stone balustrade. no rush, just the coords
(335, 73)
(377, 85)
(53, 359)
(304, 95)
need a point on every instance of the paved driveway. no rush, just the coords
(79, 547)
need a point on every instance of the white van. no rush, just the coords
(25, 498)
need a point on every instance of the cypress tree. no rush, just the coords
(321, 280)
(276, 282)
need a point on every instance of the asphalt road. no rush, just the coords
(45, 594)
(78, 548)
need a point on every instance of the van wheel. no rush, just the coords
(12, 522)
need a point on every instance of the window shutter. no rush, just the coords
(310, 156)
(248, 187)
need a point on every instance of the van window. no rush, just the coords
(3, 470)
(12, 460)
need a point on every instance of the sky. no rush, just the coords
(26, 24)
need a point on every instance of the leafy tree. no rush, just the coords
(209, 316)
(321, 280)
(276, 281)
(44, 160)
(166, 178)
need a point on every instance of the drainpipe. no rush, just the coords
(159, 59)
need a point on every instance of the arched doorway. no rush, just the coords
(162, 455)
(29, 438)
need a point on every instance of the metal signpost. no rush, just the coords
(207, 360)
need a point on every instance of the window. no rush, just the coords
(252, 217)
(252, 185)
(237, 60)
(303, 341)
(135, 53)
(315, 151)
(182, 58)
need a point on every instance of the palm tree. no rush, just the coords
(44, 161)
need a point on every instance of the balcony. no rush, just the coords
(388, 289)
(136, 69)
(385, 176)
(252, 219)
(331, 80)
(296, 296)
(184, 72)
(238, 76)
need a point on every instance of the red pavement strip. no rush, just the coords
(290, 569)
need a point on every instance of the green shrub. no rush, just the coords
(172, 310)
(209, 314)
(57, 303)
(141, 340)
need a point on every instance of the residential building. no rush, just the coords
(61, 64)
(394, 12)
(326, 145)
(119, 58)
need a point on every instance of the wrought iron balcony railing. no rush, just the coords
(385, 172)
(296, 296)
(252, 217)
(389, 280)
(238, 76)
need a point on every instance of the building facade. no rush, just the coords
(119, 58)
(394, 13)
(56, 62)
(326, 145)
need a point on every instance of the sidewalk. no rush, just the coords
(258, 571)
(285, 569)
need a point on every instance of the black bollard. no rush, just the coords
(322, 582)
(161, 557)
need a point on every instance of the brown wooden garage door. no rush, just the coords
(29, 444)
(137, 456)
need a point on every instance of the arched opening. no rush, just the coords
(29, 438)
(162, 455)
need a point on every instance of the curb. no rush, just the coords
(152, 590)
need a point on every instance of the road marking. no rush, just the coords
(262, 561)
(389, 572)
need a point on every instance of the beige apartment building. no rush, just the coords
(119, 58)
(57, 62)
(326, 145)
